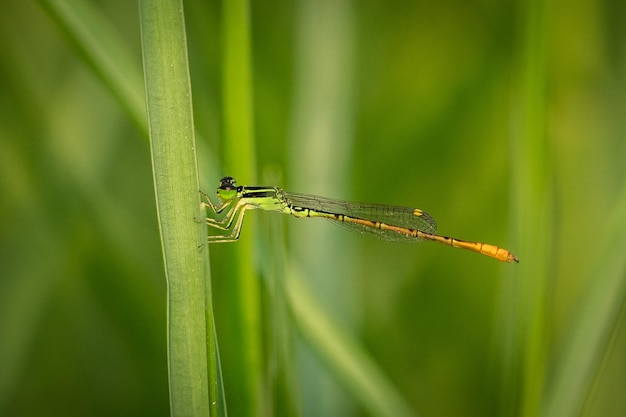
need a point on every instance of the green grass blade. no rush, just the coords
(525, 345)
(193, 381)
(240, 151)
(243, 371)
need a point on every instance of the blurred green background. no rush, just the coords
(504, 120)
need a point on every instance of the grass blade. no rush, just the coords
(193, 381)
(243, 365)
(532, 210)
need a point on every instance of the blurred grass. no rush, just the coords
(102, 47)
(321, 143)
(532, 197)
(241, 325)
(337, 348)
(429, 105)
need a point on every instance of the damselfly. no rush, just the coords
(391, 223)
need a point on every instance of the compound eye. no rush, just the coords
(227, 183)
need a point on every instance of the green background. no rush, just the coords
(503, 120)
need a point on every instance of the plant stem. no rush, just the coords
(193, 369)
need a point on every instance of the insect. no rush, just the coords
(390, 223)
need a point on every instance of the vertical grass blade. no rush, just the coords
(532, 203)
(243, 367)
(193, 375)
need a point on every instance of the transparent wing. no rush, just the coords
(406, 217)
